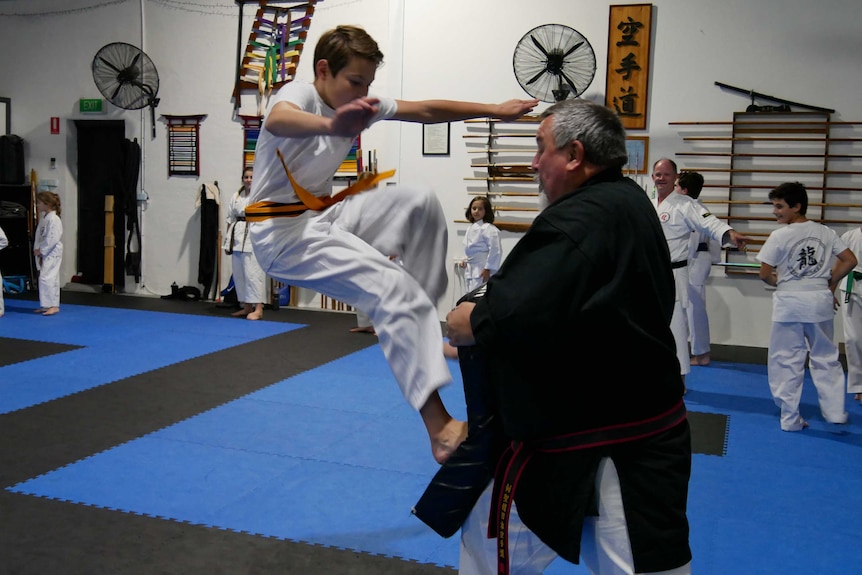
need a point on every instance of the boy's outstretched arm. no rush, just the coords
(288, 121)
(433, 111)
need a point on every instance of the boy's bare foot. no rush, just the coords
(241, 312)
(364, 329)
(447, 441)
(255, 315)
(858, 397)
(51, 311)
(445, 432)
(40, 310)
(702, 359)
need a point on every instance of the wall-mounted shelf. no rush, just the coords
(743, 159)
(504, 169)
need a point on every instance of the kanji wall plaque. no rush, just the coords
(629, 31)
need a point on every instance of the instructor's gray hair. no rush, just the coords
(597, 127)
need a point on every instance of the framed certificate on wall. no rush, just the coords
(637, 148)
(435, 139)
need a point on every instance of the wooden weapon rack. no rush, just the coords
(501, 169)
(744, 159)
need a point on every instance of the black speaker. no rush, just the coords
(17, 258)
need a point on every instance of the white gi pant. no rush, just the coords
(789, 344)
(698, 321)
(852, 312)
(605, 545)
(362, 319)
(343, 252)
(679, 320)
(49, 278)
(248, 278)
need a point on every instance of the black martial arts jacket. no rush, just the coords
(575, 331)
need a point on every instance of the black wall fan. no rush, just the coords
(553, 61)
(127, 77)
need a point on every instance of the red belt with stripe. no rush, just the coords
(514, 460)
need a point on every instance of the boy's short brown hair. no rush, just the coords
(338, 45)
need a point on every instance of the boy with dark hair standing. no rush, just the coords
(703, 252)
(340, 247)
(795, 260)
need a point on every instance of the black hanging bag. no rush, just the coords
(11, 159)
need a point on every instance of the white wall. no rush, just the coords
(459, 49)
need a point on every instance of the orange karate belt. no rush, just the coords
(260, 211)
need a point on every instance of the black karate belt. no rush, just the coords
(703, 247)
(460, 481)
(516, 456)
(261, 211)
(679, 264)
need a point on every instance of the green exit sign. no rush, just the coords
(90, 105)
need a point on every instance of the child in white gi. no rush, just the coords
(852, 290)
(483, 251)
(702, 253)
(304, 237)
(796, 259)
(3, 243)
(481, 244)
(48, 251)
(248, 277)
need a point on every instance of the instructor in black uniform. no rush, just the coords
(599, 448)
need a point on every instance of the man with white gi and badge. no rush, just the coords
(680, 215)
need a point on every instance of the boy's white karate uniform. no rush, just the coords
(802, 320)
(852, 311)
(47, 241)
(343, 251)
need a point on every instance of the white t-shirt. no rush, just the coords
(802, 255)
(312, 160)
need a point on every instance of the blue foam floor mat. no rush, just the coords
(335, 457)
(115, 344)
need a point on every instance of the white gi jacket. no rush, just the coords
(853, 239)
(236, 237)
(483, 251)
(48, 235)
(680, 216)
(700, 261)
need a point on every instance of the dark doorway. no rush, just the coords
(100, 174)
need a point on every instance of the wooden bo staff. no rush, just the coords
(500, 135)
(504, 151)
(769, 171)
(505, 194)
(769, 187)
(758, 202)
(529, 119)
(502, 179)
(771, 155)
(780, 139)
